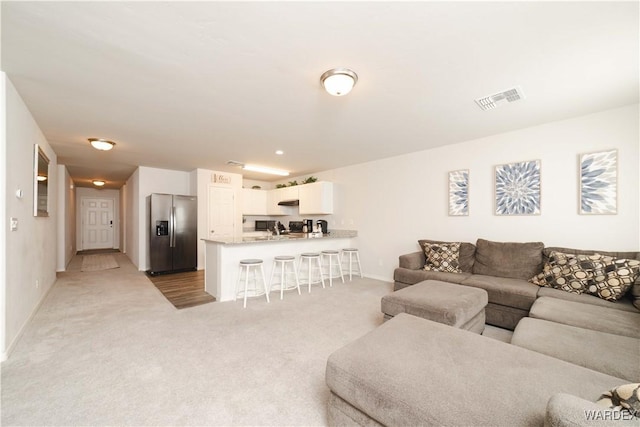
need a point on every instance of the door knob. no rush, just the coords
(213, 231)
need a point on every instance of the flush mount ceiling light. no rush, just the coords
(98, 183)
(101, 144)
(279, 152)
(256, 168)
(42, 178)
(339, 81)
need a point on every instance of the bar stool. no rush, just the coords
(331, 254)
(310, 257)
(351, 252)
(283, 261)
(246, 265)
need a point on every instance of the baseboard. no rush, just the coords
(375, 277)
(5, 355)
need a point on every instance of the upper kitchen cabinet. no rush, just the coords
(278, 195)
(316, 198)
(254, 202)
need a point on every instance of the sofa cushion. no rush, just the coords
(506, 259)
(611, 354)
(412, 277)
(634, 293)
(569, 272)
(411, 371)
(466, 256)
(613, 278)
(510, 292)
(587, 316)
(442, 257)
(623, 398)
(624, 304)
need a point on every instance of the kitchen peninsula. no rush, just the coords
(222, 256)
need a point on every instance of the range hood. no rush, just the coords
(295, 202)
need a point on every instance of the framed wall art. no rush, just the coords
(599, 183)
(517, 188)
(459, 193)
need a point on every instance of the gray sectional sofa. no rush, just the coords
(503, 270)
(566, 350)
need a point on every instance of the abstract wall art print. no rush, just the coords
(599, 183)
(459, 193)
(517, 188)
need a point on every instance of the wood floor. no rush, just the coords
(183, 290)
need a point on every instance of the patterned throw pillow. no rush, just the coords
(614, 278)
(442, 257)
(623, 398)
(569, 272)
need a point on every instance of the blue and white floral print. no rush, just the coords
(518, 188)
(598, 182)
(459, 193)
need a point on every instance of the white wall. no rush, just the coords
(66, 218)
(97, 193)
(33, 246)
(123, 218)
(396, 201)
(3, 216)
(132, 216)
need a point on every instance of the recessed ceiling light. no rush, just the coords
(98, 183)
(101, 144)
(279, 152)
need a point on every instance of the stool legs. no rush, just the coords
(247, 271)
(283, 275)
(351, 253)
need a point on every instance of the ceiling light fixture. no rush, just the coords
(101, 144)
(98, 183)
(279, 152)
(256, 168)
(339, 81)
(42, 178)
(262, 169)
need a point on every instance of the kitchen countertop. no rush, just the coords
(239, 240)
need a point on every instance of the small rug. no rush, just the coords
(98, 262)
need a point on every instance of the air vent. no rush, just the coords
(234, 163)
(497, 99)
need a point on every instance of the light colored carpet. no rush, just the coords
(106, 348)
(98, 262)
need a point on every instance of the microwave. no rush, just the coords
(262, 225)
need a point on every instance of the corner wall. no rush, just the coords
(66, 218)
(33, 246)
(396, 201)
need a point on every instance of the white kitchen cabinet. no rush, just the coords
(316, 198)
(254, 202)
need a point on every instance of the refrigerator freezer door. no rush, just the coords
(185, 251)
(161, 229)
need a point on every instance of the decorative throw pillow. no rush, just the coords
(442, 257)
(568, 272)
(623, 398)
(614, 278)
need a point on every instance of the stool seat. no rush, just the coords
(250, 261)
(352, 252)
(310, 254)
(280, 263)
(245, 267)
(333, 261)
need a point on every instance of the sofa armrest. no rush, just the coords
(412, 261)
(565, 410)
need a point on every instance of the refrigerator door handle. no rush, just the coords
(172, 241)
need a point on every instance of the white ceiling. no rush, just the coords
(192, 85)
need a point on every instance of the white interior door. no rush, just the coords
(97, 223)
(221, 211)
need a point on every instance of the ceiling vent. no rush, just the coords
(234, 163)
(497, 99)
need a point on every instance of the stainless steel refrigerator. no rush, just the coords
(173, 233)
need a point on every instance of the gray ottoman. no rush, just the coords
(454, 305)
